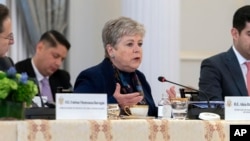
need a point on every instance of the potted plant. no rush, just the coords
(16, 93)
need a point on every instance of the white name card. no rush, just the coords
(81, 106)
(37, 100)
(237, 108)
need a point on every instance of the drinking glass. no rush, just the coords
(179, 108)
(113, 111)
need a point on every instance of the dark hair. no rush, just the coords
(241, 17)
(53, 37)
(4, 13)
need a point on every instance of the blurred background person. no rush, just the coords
(117, 74)
(6, 38)
(225, 74)
(44, 66)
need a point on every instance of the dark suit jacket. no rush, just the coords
(100, 79)
(60, 78)
(5, 63)
(221, 76)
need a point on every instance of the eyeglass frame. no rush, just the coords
(10, 37)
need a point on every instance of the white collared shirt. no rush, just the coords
(241, 61)
(39, 76)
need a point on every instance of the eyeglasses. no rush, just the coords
(9, 37)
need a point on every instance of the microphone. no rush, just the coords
(41, 99)
(50, 104)
(163, 79)
(39, 94)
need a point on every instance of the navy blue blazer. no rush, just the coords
(6, 63)
(100, 79)
(221, 76)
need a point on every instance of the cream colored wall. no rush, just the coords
(204, 31)
(87, 18)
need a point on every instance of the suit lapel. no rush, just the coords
(108, 71)
(53, 86)
(31, 72)
(30, 69)
(235, 70)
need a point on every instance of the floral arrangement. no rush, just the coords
(17, 87)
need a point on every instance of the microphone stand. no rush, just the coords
(42, 103)
(39, 94)
(194, 113)
(201, 92)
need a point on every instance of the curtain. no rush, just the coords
(33, 18)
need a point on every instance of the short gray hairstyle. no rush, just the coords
(115, 29)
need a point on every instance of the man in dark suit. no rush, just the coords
(221, 76)
(51, 50)
(6, 38)
(225, 74)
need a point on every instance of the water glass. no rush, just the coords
(179, 108)
(113, 111)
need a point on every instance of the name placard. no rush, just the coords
(237, 108)
(81, 106)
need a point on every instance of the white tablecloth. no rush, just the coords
(116, 130)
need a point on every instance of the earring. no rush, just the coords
(112, 56)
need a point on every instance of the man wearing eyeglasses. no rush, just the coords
(6, 38)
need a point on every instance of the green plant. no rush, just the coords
(17, 87)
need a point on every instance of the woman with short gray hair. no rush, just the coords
(117, 74)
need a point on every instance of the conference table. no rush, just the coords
(116, 130)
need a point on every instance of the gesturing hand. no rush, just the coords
(171, 92)
(126, 99)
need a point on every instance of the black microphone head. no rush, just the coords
(161, 79)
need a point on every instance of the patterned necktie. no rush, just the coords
(46, 91)
(248, 77)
